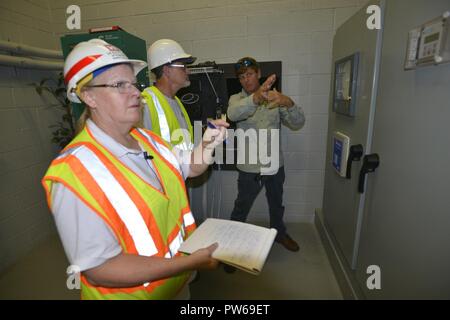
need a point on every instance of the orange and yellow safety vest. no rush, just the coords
(146, 221)
(164, 121)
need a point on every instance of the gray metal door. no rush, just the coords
(406, 229)
(343, 204)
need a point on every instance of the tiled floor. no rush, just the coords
(306, 274)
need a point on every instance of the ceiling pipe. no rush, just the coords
(24, 49)
(30, 63)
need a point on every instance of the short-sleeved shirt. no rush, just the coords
(87, 240)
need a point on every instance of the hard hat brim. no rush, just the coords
(188, 59)
(138, 65)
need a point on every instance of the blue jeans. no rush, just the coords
(249, 186)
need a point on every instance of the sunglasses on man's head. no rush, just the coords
(244, 63)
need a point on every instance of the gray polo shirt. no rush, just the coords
(251, 117)
(87, 240)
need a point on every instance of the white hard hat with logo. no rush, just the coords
(166, 51)
(88, 56)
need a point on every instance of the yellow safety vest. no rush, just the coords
(146, 221)
(164, 121)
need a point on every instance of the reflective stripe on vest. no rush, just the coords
(65, 152)
(164, 127)
(163, 124)
(122, 203)
(164, 151)
(188, 219)
(175, 245)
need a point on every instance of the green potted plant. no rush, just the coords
(64, 130)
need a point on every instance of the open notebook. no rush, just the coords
(242, 245)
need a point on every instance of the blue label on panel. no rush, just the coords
(337, 154)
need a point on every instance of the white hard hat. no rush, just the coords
(88, 56)
(165, 51)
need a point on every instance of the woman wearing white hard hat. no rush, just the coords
(117, 192)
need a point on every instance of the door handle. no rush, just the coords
(370, 164)
(355, 154)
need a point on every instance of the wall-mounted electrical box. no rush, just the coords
(341, 144)
(429, 43)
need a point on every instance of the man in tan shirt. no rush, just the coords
(258, 108)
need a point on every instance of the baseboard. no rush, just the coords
(349, 288)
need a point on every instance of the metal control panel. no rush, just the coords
(429, 43)
(346, 85)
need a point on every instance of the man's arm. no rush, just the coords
(241, 108)
(291, 115)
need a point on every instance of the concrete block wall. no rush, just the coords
(297, 32)
(25, 147)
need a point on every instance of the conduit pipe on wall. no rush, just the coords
(31, 52)
(24, 49)
(30, 63)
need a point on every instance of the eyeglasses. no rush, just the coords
(244, 63)
(123, 86)
(178, 65)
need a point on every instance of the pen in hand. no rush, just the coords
(212, 126)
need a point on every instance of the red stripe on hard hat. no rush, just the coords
(80, 65)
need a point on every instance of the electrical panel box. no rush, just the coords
(429, 43)
(341, 144)
(134, 47)
(346, 85)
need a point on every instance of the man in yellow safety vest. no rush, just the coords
(164, 113)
